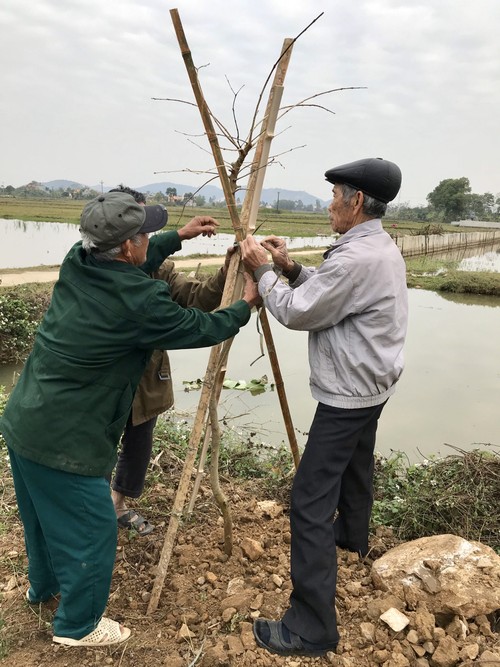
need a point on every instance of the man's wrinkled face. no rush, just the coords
(340, 213)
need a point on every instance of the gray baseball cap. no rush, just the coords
(114, 217)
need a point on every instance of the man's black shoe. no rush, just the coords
(275, 637)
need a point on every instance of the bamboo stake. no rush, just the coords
(248, 219)
(200, 472)
(251, 202)
(261, 158)
(280, 387)
(229, 288)
(256, 182)
(228, 295)
(207, 121)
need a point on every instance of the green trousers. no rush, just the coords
(70, 533)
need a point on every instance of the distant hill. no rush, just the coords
(56, 185)
(269, 195)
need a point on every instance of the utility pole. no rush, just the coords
(278, 203)
(102, 186)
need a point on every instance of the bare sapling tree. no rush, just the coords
(230, 173)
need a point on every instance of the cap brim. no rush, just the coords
(156, 218)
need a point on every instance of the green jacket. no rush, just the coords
(71, 402)
(155, 392)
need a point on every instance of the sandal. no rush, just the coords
(106, 633)
(134, 521)
(272, 635)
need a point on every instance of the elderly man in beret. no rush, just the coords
(355, 309)
(68, 409)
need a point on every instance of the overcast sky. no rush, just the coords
(78, 78)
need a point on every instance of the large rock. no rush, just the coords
(446, 572)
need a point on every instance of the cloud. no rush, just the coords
(77, 91)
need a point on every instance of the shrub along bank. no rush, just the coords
(21, 309)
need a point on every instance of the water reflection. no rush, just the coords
(28, 244)
(449, 391)
(24, 244)
(488, 261)
(471, 299)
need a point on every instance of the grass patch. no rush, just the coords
(463, 282)
(241, 456)
(429, 264)
(471, 282)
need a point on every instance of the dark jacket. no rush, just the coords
(155, 393)
(70, 405)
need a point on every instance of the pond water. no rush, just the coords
(449, 393)
(28, 244)
(488, 261)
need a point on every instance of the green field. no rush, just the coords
(68, 210)
(283, 223)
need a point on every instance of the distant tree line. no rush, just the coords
(451, 200)
(35, 190)
(296, 205)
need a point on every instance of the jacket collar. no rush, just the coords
(367, 228)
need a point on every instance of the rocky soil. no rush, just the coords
(209, 600)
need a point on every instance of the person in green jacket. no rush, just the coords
(154, 393)
(65, 416)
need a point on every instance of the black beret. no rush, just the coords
(374, 176)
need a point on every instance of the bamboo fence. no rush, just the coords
(416, 246)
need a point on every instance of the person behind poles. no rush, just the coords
(155, 394)
(355, 309)
(65, 416)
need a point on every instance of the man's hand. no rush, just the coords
(250, 292)
(279, 252)
(252, 253)
(202, 224)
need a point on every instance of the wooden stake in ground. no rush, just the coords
(209, 385)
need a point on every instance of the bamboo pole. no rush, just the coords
(248, 219)
(207, 121)
(227, 297)
(255, 184)
(280, 387)
(200, 471)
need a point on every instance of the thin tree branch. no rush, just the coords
(312, 97)
(233, 109)
(199, 136)
(173, 99)
(261, 94)
(187, 171)
(317, 106)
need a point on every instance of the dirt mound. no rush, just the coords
(209, 600)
